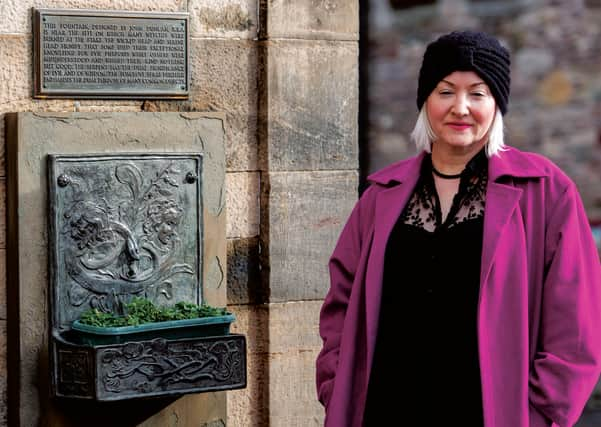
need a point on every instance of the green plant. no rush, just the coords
(140, 310)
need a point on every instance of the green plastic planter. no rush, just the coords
(172, 330)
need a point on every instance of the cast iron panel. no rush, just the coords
(164, 366)
(159, 367)
(122, 226)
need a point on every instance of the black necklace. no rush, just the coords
(444, 175)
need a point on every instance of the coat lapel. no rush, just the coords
(501, 201)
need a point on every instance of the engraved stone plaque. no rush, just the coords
(123, 226)
(102, 54)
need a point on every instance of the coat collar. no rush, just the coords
(509, 163)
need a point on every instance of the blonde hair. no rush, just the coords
(424, 136)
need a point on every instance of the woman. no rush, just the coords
(474, 259)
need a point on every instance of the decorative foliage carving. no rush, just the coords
(161, 365)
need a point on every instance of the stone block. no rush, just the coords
(3, 402)
(253, 321)
(2, 284)
(2, 148)
(303, 215)
(100, 106)
(294, 326)
(283, 342)
(3, 375)
(242, 201)
(16, 14)
(200, 409)
(294, 343)
(310, 19)
(243, 274)
(16, 86)
(310, 106)
(2, 213)
(3, 349)
(219, 18)
(224, 78)
(292, 394)
(15, 68)
(249, 406)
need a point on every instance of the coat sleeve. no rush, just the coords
(567, 363)
(342, 266)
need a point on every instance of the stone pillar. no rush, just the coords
(308, 158)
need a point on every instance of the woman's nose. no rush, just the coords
(461, 106)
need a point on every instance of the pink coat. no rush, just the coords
(539, 310)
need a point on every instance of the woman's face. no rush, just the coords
(461, 110)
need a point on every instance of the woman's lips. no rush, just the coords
(459, 126)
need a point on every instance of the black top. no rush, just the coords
(425, 369)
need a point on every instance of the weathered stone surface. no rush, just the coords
(3, 401)
(3, 393)
(2, 148)
(2, 285)
(16, 85)
(303, 216)
(283, 342)
(242, 199)
(556, 89)
(294, 326)
(293, 346)
(224, 78)
(310, 19)
(96, 106)
(219, 18)
(243, 275)
(201, 409)
(532, 63)
(249, 406)
(190, 410)
(2, 213)
(16, 14)
(293, 398)
(3, 348)
(39, 134)
(15, 69)
(311, 106)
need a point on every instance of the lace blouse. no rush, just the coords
(427, 337)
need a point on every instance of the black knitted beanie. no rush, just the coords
(466, 51)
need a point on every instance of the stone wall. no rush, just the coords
(555, 105)
(308, 161)
(285, 75)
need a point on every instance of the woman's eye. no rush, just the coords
(445, 92)
(478, 94)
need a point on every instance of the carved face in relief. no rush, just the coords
(164, 216)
